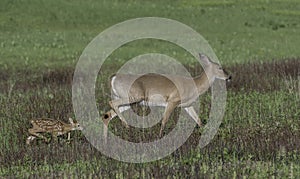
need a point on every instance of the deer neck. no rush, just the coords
(203, 83)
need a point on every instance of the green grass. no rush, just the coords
(259, 136)
(214, 169)
(41, 42)
(45, 34)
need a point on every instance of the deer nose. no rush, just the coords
(229, 78)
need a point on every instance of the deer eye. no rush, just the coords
(220, 68)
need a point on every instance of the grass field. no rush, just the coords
(256, 41)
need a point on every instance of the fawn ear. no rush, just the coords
(71, 120)
(204, 59)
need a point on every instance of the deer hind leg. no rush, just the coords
(191, 111)
(108, 116)
(169, 109)
(37, 134)
(115, 106)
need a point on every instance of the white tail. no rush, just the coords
(53, 126)
(147, 88)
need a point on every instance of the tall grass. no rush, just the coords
(260, 129)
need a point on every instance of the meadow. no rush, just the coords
(256, 41)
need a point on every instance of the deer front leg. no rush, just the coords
(191, 111)
(169, 109)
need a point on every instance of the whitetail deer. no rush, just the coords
(146, 89)
(53, 126)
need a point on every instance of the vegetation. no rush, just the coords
(257, 41)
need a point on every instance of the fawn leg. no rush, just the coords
(69, 136)
(29, 139)
(37, 134)
(54, 136)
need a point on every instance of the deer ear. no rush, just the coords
(71, 120)
(203, 58)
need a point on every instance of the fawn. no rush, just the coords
(52, 126)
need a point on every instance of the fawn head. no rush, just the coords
(75, 125)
